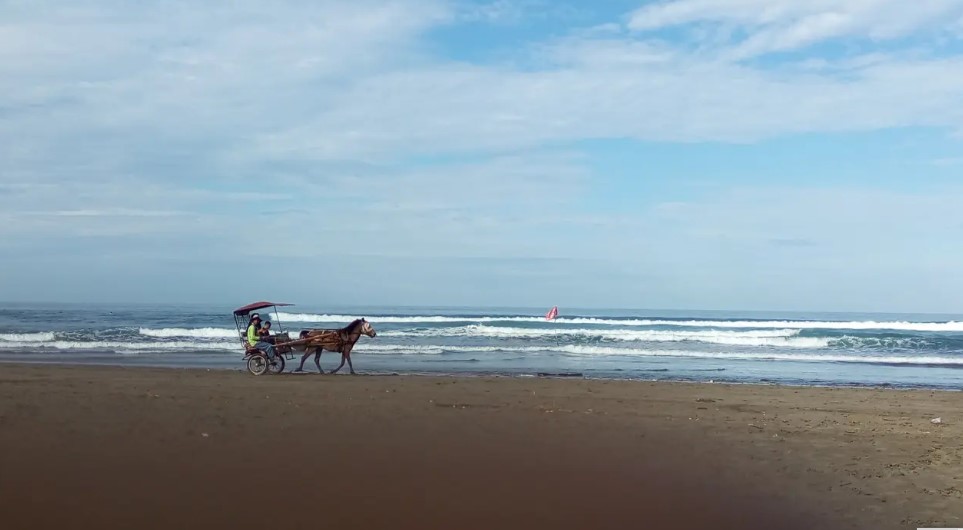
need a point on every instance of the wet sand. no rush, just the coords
(88, 447)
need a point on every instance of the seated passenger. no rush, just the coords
(264, 333)
(253, 338)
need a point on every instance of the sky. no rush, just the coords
(678, 154)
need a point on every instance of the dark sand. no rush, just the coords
(86, 447)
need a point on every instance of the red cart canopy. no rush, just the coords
(257, 305)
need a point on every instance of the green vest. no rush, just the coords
(251, 335)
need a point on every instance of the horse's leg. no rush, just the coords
(307, 353)
(340, 365)
(317, 359)
(347, 355)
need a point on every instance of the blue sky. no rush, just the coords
(697, 154)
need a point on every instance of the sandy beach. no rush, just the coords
(89, 447)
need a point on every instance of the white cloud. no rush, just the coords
(781, 25)
(947, 161)
(464, 109)
(791, 247)
(503, 206)
(500, 11)
(110, 212)
(174, 71)
(499, 207)
(177, 129)
(512, 12)
(236, 87)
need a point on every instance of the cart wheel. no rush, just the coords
(276, 365)
(257, 365)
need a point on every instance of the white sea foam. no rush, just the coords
(203, 333)
(805, 324)
(399, 349)
(952, 326)
(594, 350)
(27, 337)
(370, 347)
(589, 351)
(481, 330)
(779, 338)
(186, 346)
(913, 343)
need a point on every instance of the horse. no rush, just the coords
(336, 340)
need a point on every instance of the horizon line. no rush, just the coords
(562, 308)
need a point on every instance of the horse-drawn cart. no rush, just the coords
(311, 341)
(257, 360)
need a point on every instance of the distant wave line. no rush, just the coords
(581, 350)
(787, 338)
(951, 326)
(778, 338)
(574, 350)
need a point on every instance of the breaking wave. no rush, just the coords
(203, 333)
(579, 350)
(783, 338)
(186, 346)
(27, 337)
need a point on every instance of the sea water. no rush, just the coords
(922, 351)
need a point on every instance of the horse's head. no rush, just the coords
(367, 329)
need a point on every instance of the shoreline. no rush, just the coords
(127, 447)
(494, 374)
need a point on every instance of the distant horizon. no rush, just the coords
(522, 310)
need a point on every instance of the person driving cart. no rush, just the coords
(255, 337)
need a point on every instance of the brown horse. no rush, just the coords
(336, 340)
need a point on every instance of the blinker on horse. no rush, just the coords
(336, 340)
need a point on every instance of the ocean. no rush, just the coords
(902, 351)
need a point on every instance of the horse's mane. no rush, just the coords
(352, 327)
(349, 329)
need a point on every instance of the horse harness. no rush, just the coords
(343, 339)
